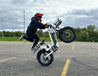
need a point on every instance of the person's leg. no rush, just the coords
(21, 37)
(32, 37)
(36, 40)
(28, 38)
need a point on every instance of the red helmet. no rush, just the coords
(39, 15)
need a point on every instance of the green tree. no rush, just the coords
(91, 28)
(40, 33)
(0, 34)
(18, 34)
(83, 36)
(78, 32)
(91, 32)
(46, 34)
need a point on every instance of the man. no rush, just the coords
(32, 29)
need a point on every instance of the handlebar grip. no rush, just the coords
(49, 25)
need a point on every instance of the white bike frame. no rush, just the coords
(54, 42)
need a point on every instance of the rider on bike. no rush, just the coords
(32, 29)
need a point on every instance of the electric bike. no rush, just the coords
(45, 51)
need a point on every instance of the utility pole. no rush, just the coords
(2, 31)
(24, 20)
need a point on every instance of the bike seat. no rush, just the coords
(42, 42)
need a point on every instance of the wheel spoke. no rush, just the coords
(41, 58)
(67, 34)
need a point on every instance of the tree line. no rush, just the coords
(89, 33)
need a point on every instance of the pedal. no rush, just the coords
(42, 42)
(35, 49)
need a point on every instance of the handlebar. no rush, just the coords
(49, 25)
(56, 23)
(53, 28)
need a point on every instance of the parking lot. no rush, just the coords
(71, 59)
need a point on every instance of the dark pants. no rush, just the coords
(32, 37)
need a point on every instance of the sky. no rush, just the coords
(80, 13)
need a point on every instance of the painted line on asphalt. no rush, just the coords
(96, 47)
(7, 59)
(64, 72)
(73, 47)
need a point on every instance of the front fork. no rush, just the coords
(53, 49)
(54, 43)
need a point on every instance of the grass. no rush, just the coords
(9, 38)
(47, 39)
(16, 39)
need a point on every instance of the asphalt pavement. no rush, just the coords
(16, 59)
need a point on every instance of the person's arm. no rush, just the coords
(41, 26)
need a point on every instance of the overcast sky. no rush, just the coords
(72, 12)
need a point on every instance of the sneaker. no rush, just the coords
(33, 49)
(21, 37)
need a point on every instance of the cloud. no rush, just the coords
(18, 1)
(81, 17)
(72, 12)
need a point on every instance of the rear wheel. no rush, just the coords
(41, 58)
(67, 34)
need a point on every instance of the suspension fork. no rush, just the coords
(53, 49)
(48, 54)
(54, 43)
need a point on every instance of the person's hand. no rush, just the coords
(49, 25)
(46, 25)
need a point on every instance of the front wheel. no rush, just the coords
(67, 34)
(41, 58)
